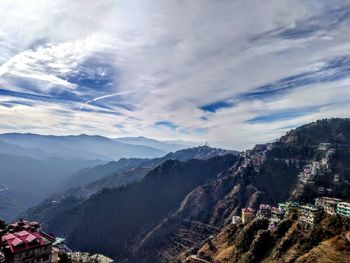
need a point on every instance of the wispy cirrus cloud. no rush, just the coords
(230, 72)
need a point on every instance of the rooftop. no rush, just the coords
(311, 207)
(23, 240)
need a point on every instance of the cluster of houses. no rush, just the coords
(317, 169)
(309, 214)
(24, 242)
(255, 157)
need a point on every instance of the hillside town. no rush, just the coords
(308, 214)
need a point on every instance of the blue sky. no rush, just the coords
(233, 73)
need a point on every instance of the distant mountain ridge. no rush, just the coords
(81, 146)
(34, 166)
(114, 175)
(169, 146)
(89, 175)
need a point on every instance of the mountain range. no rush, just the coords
(33, 166)
(86, 146)
(168, 214)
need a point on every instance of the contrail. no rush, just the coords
(105, 97)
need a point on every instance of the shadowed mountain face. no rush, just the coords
(120, 218)
(81, 186)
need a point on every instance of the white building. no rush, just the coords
(236, 220)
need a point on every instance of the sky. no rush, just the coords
(231, 73)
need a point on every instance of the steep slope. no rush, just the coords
(336, 249)
(121, 217)
(113, 175)
(210, 206)
(270, 182)
(326, 130)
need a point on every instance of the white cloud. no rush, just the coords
(176, 56)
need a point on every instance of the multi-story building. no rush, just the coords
(288, 207)
(328, 204)
(310, 214)
(343, 209)
(264, 211)
(24, 243)
(247, 215)
(236, 220)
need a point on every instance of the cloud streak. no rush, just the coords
(231, 73)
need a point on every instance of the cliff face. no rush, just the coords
(115, 221)
(207, 208)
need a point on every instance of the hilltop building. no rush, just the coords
(236, 220)
(288, 207)
(24, 242)
(328, 204)
(343, 209)
(247, 215)
(264, 211)
(310, 214)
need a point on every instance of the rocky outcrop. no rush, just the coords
(79, 257)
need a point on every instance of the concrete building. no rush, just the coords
(247, 215)
(310, 214)
(288, 207)
(328, 204)
(264, 211)
(236, 220)
(343, 209)
(24, 243)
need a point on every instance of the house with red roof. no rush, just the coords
(25, 243)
